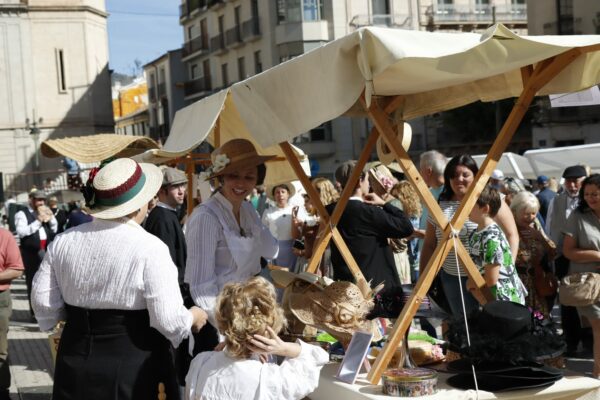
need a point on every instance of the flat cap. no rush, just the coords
(574, 171)
(173, 176)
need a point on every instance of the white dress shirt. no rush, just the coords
(218, 253)
(25, 229)
(213, 375)
(110, 265)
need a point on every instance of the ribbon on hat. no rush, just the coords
(124, 192)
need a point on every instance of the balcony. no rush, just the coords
(217, 44)
(307, 31)
(478, 14)
(198, 44)
(187, 8)
(251, 29)
(216, 4)
(161, 90)
(152, 94)
(196, 86)
(233, 37)
(387, 20)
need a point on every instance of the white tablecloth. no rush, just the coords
(570, 387)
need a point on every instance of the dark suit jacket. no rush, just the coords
(365, 229)
(545, 196)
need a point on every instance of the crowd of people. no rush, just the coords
(149, 300)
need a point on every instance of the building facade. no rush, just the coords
(130, 108)
(165, 77)
(228, 41)
(54, 78)
(564, 126)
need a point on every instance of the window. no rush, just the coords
(161, 75)
(191, 32)
(289, 11)
(224, 75)
(61, 71)
(194, 70)
(241, 68)
(380, 7)
(257, 62)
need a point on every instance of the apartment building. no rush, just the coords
(564, 126)
(165, 78)
(227, 41)
(54, 78)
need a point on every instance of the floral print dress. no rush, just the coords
(535, 248)
(489, 246)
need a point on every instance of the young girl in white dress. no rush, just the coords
(249, 318)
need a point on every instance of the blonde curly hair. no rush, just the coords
(246, 309)
(327, 192)
(407, 195)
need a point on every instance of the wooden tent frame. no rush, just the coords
(534, 78)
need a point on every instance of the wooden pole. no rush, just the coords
(541, 75)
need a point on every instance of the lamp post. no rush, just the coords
(35, 132)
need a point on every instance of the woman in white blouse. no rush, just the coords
(116, 287)
(279, 221)
(225, 237)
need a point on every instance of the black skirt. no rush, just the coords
(112, 354)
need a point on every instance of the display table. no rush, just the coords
(570, 387)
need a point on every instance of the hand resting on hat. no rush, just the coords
(270, 343)
(375, 200)
(199, 318)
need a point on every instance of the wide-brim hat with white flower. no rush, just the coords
(235, 155)
(121, 187)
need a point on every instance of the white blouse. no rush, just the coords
(213, 375)
(110, 265)
(210, 262)
(279, 221)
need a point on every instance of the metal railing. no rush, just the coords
(478, 13)
(389, 20)
(251, 28)
(233, 36)
(196, 86)
(185, 9)
(197, 44)
(49, 181)
(217, 43)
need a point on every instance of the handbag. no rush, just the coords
(545, 283)
(580, 289)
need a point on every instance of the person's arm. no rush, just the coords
(46, 298)
(506, 221)
(13, 264)
(491, 274)
(429, 245)
(53, 224)
(165, 306)
(576, 254)
(387, 221)
(202, 235)
(23, 228)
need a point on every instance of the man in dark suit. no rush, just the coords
(366, 224)
(163, 223)
(545, 195)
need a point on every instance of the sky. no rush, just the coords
(141, 29)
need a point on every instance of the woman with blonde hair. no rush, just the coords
(411, 205)
(249, 318)
(326, 190)
(536, 251)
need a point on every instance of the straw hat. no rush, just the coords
(235, 155)
(381, 178)
(289, 185)
(283, 278)
(385, 154)
(120, 188)
(340, 309)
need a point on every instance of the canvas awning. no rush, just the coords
(552, 162)
(435, 71)
(511, 164)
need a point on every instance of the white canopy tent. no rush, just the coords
(512, 165)
(391, 76)
(552, 162)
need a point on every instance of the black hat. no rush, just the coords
(37, 194)
(574, 171)
(504, 331)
